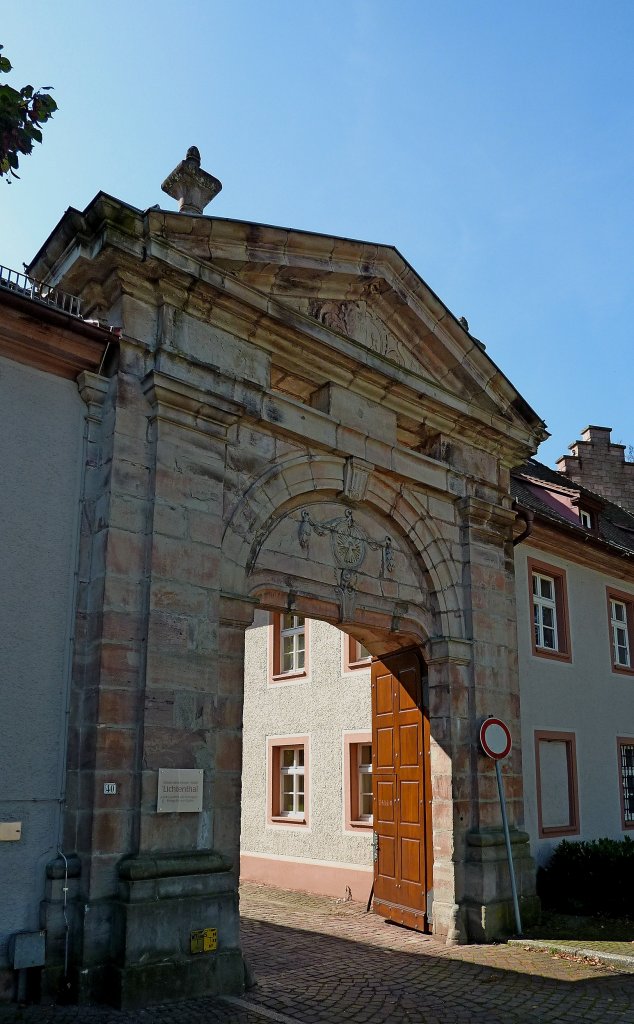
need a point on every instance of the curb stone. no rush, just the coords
(557, 947)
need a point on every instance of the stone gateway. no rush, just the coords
(293, 422)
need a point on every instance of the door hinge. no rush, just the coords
(375, 846)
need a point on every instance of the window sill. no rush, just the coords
(623, 670)
(362, 826)
(366, 663)
(558, 830)
(544, 652)
(280, 677)
(284, 819)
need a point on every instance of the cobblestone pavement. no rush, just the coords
(319, 961)
(325, 962)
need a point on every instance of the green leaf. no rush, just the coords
(21, 113)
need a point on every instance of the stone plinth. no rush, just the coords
(489, 909)
(162, 899)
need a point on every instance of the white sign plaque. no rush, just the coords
(180, 789)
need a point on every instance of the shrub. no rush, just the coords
(590, 878)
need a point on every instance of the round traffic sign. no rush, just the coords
(495, 738)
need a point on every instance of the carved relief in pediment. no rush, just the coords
(356, 320)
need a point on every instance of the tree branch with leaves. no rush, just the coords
(22, 114)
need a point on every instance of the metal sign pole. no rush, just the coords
(509, 852)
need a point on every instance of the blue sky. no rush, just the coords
(490, 141)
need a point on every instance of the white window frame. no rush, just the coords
(585, 518)
(541, 603)
(297, 630)
(364, 770)
(296, 772)
(620, 626)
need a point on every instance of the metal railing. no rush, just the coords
(22, 284)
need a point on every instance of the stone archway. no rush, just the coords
(325, 552)
(399, 556)
(300, 417)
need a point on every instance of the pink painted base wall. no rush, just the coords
(317, 877)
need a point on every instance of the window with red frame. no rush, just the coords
(289, 645)
(356, 655)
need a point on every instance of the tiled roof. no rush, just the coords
(547, 494)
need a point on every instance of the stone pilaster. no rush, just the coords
(489, 602)
(448, 664)
(191, 715)
(108, 676)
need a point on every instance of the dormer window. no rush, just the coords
(588, 508)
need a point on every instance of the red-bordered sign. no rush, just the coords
(495, 738)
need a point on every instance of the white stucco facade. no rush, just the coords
(327, 706)
(572, 710)
(41, 430)
(584, 697)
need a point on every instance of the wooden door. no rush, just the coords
(401, 788)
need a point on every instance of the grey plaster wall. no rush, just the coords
(584, 697)
(41, 427)
(324, 705)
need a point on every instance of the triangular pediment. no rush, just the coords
(351, 304)
(357, 290)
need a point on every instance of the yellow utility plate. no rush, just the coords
(203, 940)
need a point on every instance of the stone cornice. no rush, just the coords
(381, 379)
(477, 512)
(288, 416)
(242, 242)
(588, 551)
(145, 866)
(511, 433)
(487, 838)
(93, 390)
(237, 610)
(184, 404)
(447, 648)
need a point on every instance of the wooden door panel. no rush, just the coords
(410, 860)
(409, 691)
(410, 803)
(409, 745)
(384, 811)
(387, 859)
(384, 694)
(401, 784)
(385, 749)
(385, 825)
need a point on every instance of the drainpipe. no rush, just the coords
(66, 921)
(528, 517)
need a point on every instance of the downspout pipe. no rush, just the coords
(528, 517)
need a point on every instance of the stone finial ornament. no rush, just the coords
(190, 185)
